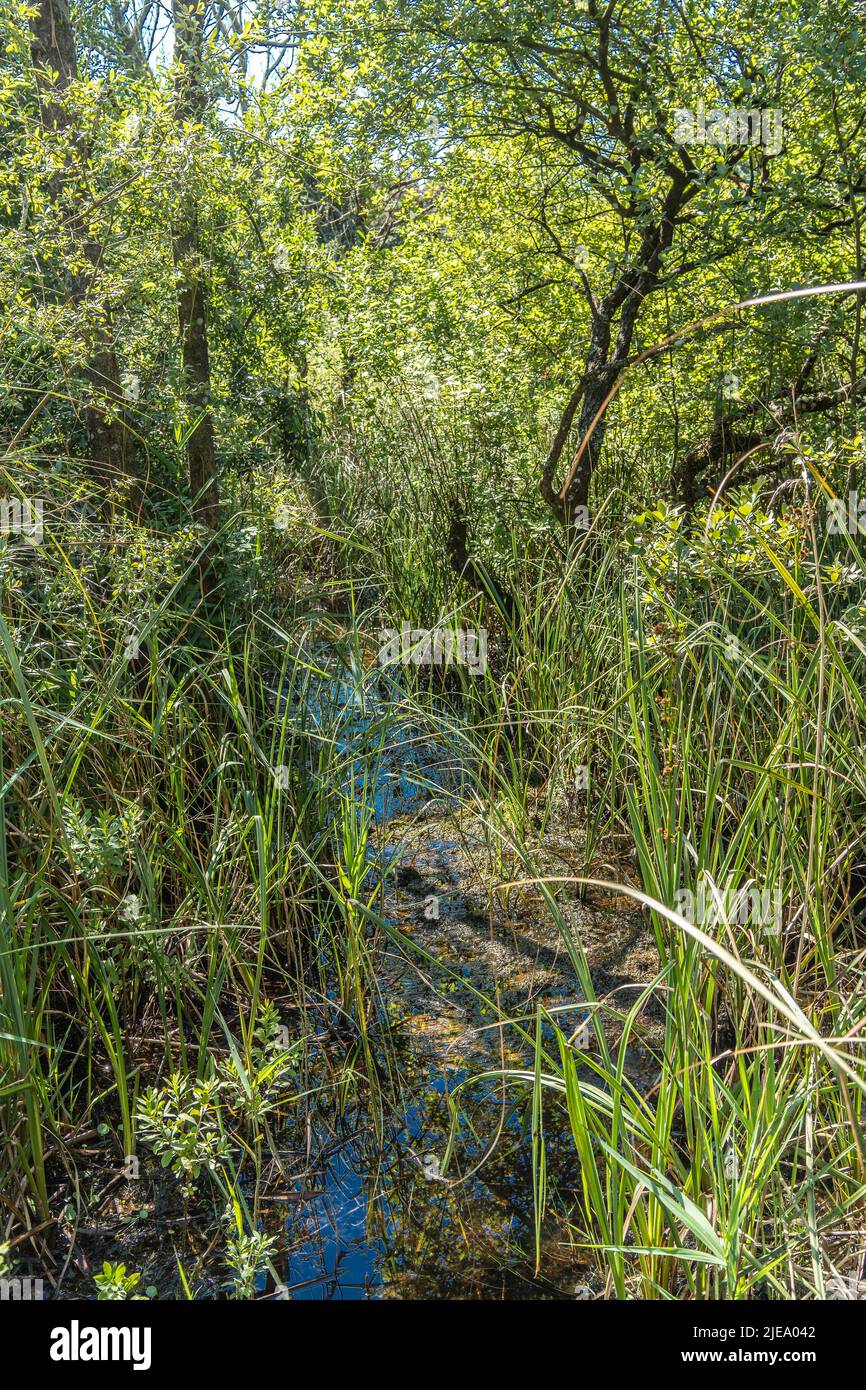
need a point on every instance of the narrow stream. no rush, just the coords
(381, 1219)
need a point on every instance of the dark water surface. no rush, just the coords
(382, 1220)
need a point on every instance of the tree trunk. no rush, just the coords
(599, 376)
(53, 52)
(604, 364)
(190, 99)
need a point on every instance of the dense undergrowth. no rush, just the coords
(191, 895)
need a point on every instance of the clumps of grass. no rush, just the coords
(733, 761)
(706, 678)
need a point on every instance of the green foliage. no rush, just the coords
(247, 1255)
(182, 1124)
(114, 1283)
(100, 845)
(413, 220)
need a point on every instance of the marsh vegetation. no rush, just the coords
(432, 650)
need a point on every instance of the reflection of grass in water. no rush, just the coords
(385, 1214)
